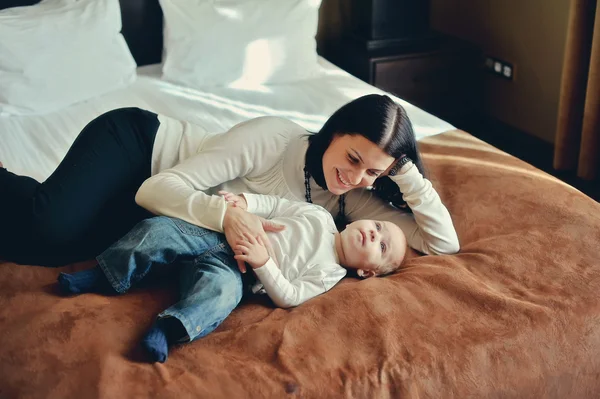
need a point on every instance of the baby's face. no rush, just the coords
(370, 244)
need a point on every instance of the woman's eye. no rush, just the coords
(378, 226)
(374, 174)
(352, 159)
(382, 247)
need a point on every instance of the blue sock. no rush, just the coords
(155, 342)
(91, 280)
(163, 333)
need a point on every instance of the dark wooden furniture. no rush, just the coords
(143, 29)
(389, 19)
(439, 73)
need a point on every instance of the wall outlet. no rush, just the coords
(499, 68)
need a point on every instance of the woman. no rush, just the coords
(129, 161)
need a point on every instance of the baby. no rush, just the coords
(310, 258)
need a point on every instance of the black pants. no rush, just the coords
(89, 200)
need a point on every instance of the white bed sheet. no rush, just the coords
(34, 145)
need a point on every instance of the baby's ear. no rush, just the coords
(365, 274)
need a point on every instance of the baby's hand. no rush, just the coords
(252, 251)
(236, 200)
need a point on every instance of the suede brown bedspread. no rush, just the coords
(515, 315)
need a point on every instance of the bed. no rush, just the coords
(515, 314)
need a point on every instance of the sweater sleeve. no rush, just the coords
(429, 229)
(286, 294)
(246, 150)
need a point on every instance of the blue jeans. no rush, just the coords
(210, 283)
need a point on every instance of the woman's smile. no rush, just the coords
(343, 182)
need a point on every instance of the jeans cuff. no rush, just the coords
(190, 330)
(116, 284)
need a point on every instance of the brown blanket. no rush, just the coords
(515, 315)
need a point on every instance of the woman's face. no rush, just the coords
(353, 161)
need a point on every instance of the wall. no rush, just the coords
(530, 34)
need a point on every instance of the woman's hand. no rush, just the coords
(236, 200)
(251, 250)
(237, 222)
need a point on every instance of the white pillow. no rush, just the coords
(239, 42)
(60, 52)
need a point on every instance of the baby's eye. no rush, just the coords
(378, 226)
(382, 247)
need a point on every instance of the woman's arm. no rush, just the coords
(429, 229)
(246, 150)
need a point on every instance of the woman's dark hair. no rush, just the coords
(383, 122)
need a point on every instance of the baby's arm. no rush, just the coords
(267, 206)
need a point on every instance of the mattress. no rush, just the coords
(34, 146)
